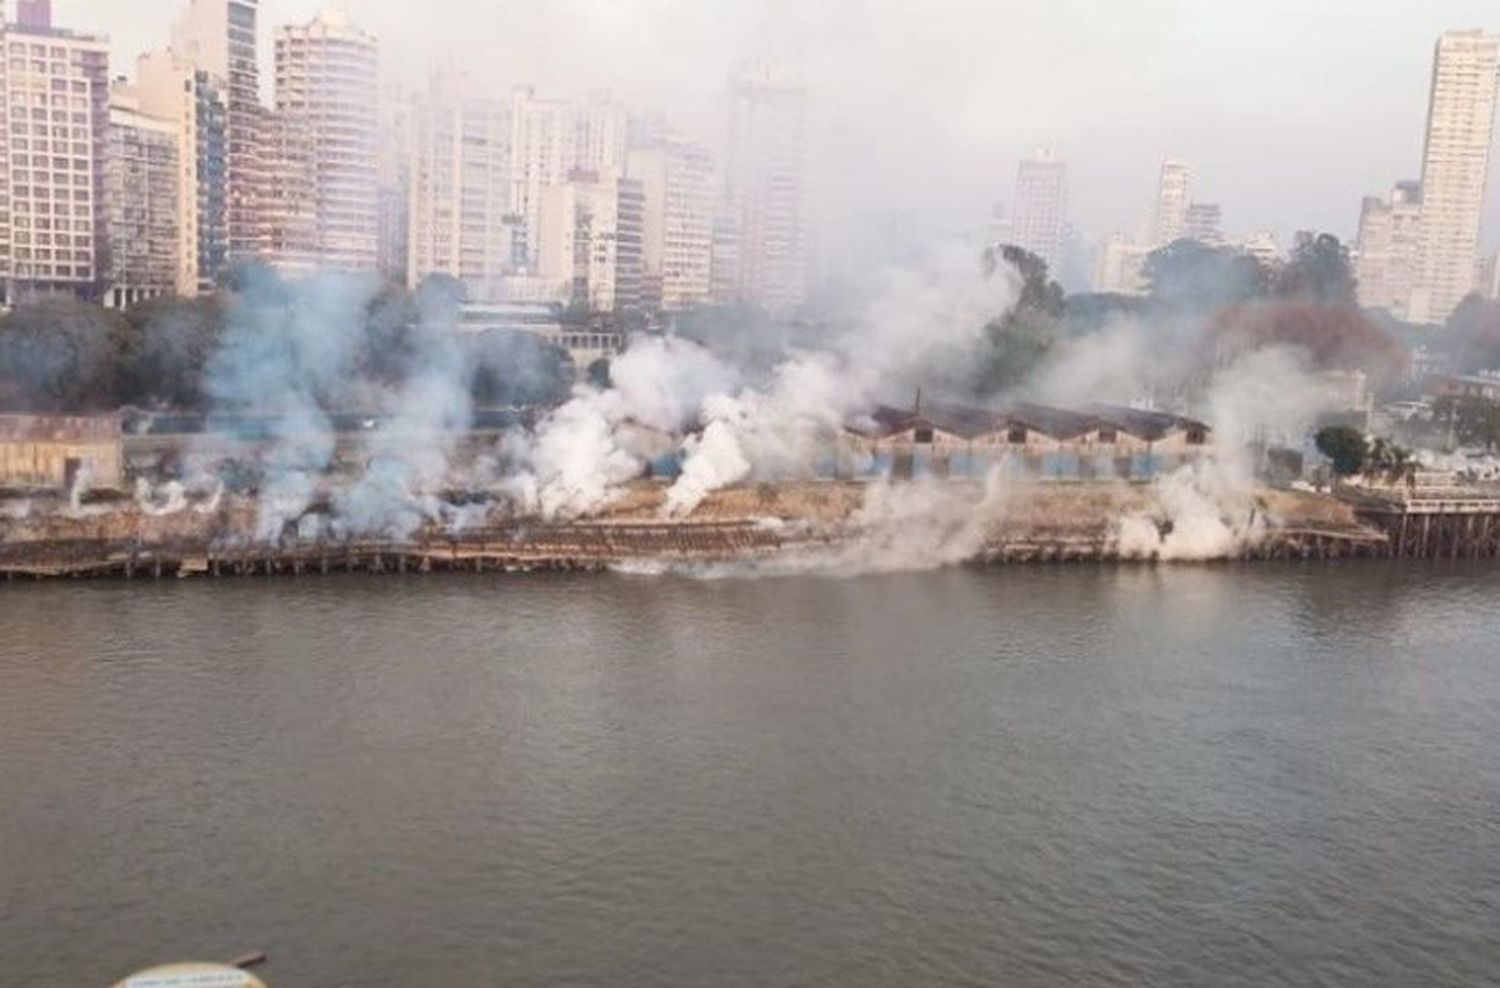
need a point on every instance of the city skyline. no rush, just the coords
(1175, 75)
(312, 181)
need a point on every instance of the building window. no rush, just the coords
(1106, 435)
(1196, 437)
(1017, 435)
(922, 435)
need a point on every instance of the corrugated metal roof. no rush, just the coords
(60, 428)
(1058, 423)
(1144, 423)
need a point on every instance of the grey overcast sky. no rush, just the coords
(1287, 110)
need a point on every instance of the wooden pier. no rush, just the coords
(1444, 523)
(514, 549)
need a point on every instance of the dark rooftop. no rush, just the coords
(1059, 423)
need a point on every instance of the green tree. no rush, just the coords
(439, 295)
(169, 346)
(1472, 334)
(598, 373)
(1186, 274)
(1090, 311)
(259, 281)
(509, 369)
(390, 317)
(1019, 340)
(1345, 447)
(58, 354)
(1470, 419)
(1389, 461)
(1039, 293)
(1319, 270)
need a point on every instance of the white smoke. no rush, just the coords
(411, 450)
(712, 459)
(926, 327)
(924, 524)
(1198, 512)
(165, 499)
(601, 439)
(1208, 510)
(579, 459)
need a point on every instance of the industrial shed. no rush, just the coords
(56, 450)
(1099, 442)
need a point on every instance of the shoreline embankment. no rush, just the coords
(121, 538)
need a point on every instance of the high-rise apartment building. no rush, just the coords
(1120, 267)
(766, 184)
(219, 37)
(724, 257)
(1204, 223)
(54, 88)
(676, 177)
(34, 13)
(173, 89)
(1455, 163)
(1387, 251)
(552, 139)
(591, 232)
(460, 188)
(141, 194)
(393, 180)
(1172, 202)
(1262, 246)
(324, 209)
(1039, 215)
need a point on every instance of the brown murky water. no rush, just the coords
(1258, 775)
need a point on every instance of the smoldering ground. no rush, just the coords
(299, 356)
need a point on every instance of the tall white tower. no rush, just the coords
(1172, 202)
(1455, 161)
(326, 201)
(766, 184)
(219, 37)
(1039, 219)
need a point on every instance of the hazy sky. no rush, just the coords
(1287, 110)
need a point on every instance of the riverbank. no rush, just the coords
(111, 535)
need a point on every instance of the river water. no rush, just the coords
(1254, 775)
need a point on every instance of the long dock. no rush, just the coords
(517, 549)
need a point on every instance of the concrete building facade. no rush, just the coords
(1387, 249)
(724, 257)
(220, 38)
(1119, 268)
(393, 179)
(1204, 222)
(54, 89)
(460, 189)
(552, 139)
(676, 177)
(59, 451)
(591, 241)
(1173, 197)
(324, 211)
(142, 197)
(1455, 165)
(1039, 215)
(766, 184)
(173, 89)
